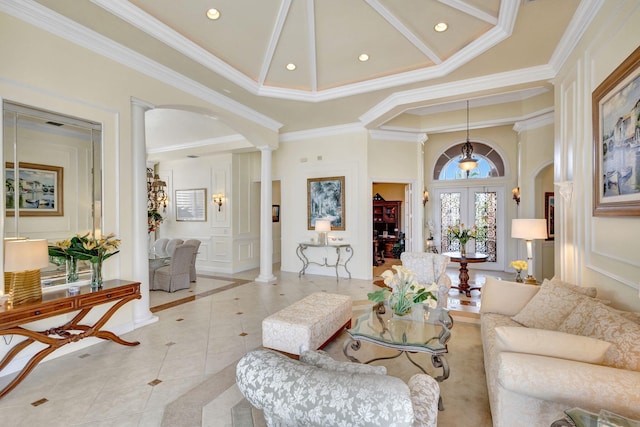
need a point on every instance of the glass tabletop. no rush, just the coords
(424, 330)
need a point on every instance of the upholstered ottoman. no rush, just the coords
(308, 324)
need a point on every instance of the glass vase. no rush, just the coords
(71, 268)
(96, 275)
(519, 278)
(463, 251)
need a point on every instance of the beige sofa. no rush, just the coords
(553, 347)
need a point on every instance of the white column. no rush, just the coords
(266, 232)
(141, 314)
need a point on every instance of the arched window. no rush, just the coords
(490, 163)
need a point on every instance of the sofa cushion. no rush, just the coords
(585, 290)
(322, 360)
(597, 320)
(551, 343)
(504, 297)
(549, 307)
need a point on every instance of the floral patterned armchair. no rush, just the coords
(319, 391)
(430, 268)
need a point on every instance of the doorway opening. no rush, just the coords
(391, 224)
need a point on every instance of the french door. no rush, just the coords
(482, 207)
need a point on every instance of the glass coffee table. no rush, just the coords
(426, 331)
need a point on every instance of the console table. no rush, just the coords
(59, 302)
(302, 249)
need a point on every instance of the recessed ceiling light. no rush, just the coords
(213, 14)
(291, 66)
(363, 57)
(440, 27)
(192, 156)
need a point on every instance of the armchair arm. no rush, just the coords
(425, 395)
(292, 393)
(575, 384)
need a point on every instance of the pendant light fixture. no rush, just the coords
(467, 162)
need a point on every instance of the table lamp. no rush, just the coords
(529, 229)
(323, 226)
(23, 259)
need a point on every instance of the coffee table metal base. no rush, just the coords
(438, 360)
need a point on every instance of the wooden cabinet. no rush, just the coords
(386, 217)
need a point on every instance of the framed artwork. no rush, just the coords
(36, 192)
(275, 213)
(549, 214)
(325, 200)
(616, 142)
(191, 205)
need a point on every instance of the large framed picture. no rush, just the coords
(616, 141)
(191, 205)
(325, 200)
(36, 192)
(549, 214)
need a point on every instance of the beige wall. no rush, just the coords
(594, 251)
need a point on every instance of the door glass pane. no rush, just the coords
(485, 205)
(450, 215)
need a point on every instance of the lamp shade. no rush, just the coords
(25, 255)
(529, 229)
(323, 225)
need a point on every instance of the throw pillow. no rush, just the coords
(550, 343)
(549, 307)
(608, 324)
(585, 290)
(504, 297)
(322, 360)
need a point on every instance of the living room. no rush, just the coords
(86, 77)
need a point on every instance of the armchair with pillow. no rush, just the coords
(430, 268)
(554, 347)
(319, 391)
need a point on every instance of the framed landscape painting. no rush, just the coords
(36, 192)
(616, 141)
(325, 200)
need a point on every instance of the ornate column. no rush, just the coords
(266, 232)
(141, 314)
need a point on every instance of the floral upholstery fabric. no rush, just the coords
(306, 324)
(424, 391)
(430, 268)
(322, 360)
(594, 319)
(549, 307)
(533, 390)
(293, 393)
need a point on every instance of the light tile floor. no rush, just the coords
(112, 385)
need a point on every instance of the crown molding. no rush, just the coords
(61, 26)
(460, 87)
(199, 144)
(321, 132)
(143, 21)
(587, 10)
(406, 135)
(538, 121)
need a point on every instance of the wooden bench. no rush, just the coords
(308, 324)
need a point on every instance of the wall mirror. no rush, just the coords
(53, 178)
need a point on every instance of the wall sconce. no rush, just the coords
(425, 197)
(217, 200)
(516, 195)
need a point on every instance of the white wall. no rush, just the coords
(594, 251)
